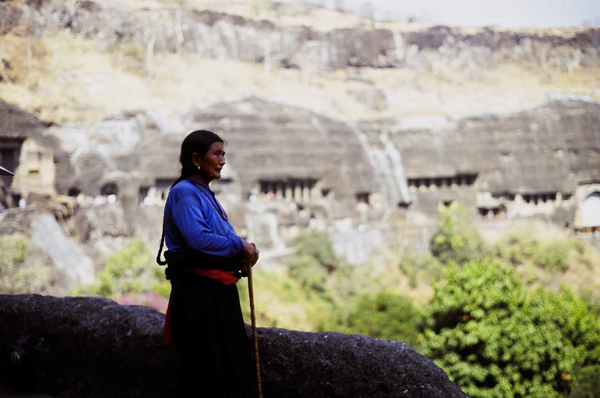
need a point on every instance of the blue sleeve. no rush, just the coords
(188, 217)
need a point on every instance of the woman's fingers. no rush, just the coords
(249, 250)
(255, 257)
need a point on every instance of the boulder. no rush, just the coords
(93, 347)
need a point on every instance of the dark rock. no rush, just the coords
(85, 347)
(301, 364)
(90, 6)
(360, 48)
(17, 221)
(210, 18)
(93, 347)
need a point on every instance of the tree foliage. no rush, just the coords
(414, 266)
(129, 272)
(384, 315)
(496, 339)
(457, 239)
(313, 261)
(519, 246)
(317, 244)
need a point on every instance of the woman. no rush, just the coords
(205, 260)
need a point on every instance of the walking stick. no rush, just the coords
(254, 337)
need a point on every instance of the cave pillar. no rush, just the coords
(306, 193)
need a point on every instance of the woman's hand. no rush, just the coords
(250, 257)
(250, 253)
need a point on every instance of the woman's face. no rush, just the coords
(211, 163)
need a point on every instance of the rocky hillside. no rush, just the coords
(104, 57)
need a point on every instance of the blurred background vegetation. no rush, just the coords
(497, 328)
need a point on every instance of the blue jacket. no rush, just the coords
(192, 224)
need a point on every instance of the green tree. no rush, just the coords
(457, 239)
(522, 245)
(317, 244)
(496, 339)
(313, 260)
(588, 383)
(517, 246)
(384, 315)
(308, 271)
(424, 264)
(553, 256)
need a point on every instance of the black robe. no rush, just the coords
(210, 337)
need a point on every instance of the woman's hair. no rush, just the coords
(196, 142)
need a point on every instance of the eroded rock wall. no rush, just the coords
(219, 35)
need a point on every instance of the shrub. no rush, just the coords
(495, 339)
(15, 276)
(456, 239)
(384, 315)
(414, 265)
(553, 256)
(317, 245)
(592, 301)
(313, 261)
(517, 246)
(128, 276)
(588, 384)
(308, 271)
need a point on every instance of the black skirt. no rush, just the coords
(210, 337)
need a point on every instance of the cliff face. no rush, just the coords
(548, 149)
(219, 35)
(271, 142)
(90, 347)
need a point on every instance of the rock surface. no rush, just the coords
(213, 34)
(93, 347)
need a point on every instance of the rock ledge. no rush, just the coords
(93, 347)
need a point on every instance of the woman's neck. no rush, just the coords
(201, 178)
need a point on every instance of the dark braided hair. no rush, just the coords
(196, 142)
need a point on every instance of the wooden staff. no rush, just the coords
(254, 336)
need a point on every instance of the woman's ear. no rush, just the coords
(196, 159)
